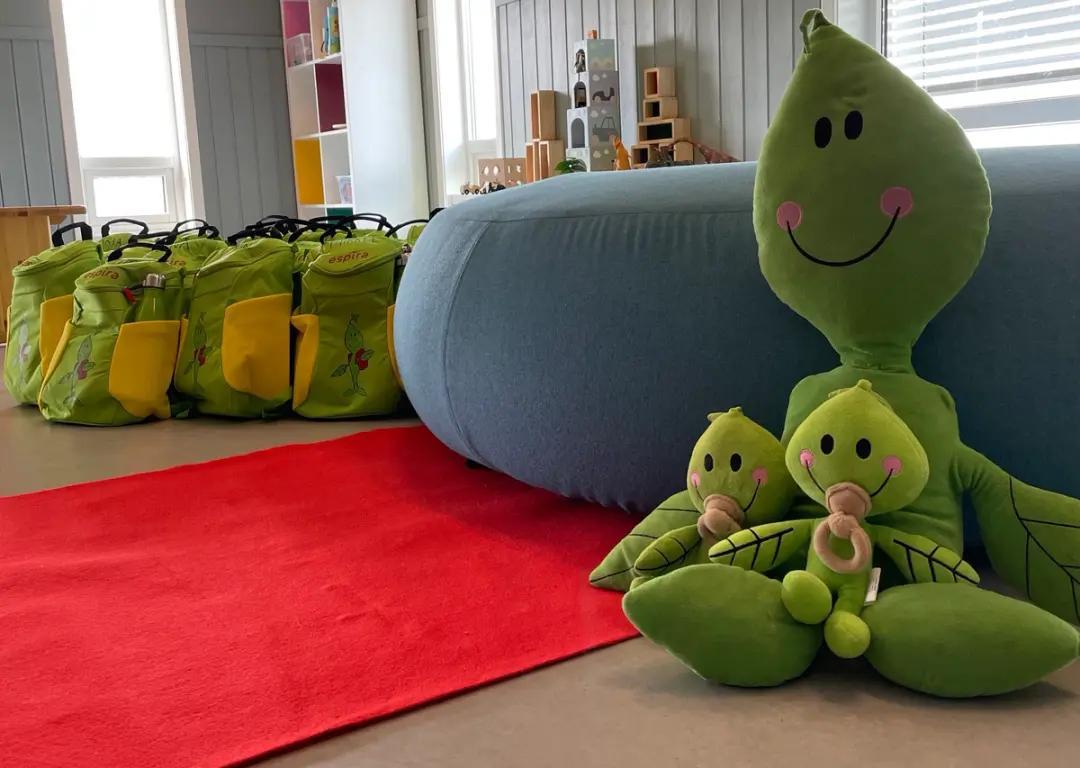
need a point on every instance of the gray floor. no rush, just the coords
(630, 706)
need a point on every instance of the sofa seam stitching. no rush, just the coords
(446, 335)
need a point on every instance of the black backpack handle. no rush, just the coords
(333, 229)
(144, 228)
(254, 230)
(205, 228)
(394, 230)
(166, 250)
(85, 232)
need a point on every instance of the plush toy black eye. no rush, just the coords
(822, 132)
(853, 124)
(736, 462)
(826, 444)
(863, 448)
(708, 462)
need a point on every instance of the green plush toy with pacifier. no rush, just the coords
(856, 458)
(736, 478)
(871, 211)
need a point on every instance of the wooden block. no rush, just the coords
(659, 81)
(664, 129)
(661, 106)
(640, 155)
(508, 171)
(530, 162)
(550, 154)
(542, 112)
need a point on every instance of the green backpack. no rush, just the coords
(234, 348)
(343, 360)
(41, 305)
(116, 356)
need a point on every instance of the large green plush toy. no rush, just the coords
(871, 211)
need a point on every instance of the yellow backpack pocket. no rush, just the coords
(142, 367)
(255, 345)
(55, 314)
(307, 354)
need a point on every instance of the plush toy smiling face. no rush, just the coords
(737, 459)
(870, 205)
(855, 438)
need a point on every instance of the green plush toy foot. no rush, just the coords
(806, 597)
(847, 635)
(956, 640)
(728, 625)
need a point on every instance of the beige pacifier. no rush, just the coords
(848, 506)
(722, 517)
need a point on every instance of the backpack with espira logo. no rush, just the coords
(343, 363)
(114, 362)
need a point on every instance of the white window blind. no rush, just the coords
(950, 46)
(996, 64)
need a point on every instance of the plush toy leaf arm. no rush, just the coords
(920, 559)
(1032, 536)
(764, 547)
(674, 549)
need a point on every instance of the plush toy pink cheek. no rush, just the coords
(806, 458)
(760, 475)
(789, 215)
(892, 465)
(695, 479)
(897, 201)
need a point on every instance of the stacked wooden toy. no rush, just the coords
(661, 126)
(593, 118)
(544, 150)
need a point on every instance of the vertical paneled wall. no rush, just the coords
(241, 109)
(33, 168)
(733, 59)
(242, 117)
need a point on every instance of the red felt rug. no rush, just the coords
(210, 614)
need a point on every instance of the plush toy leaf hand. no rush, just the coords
(919, 559)
(673, 549)
(764, 547)
(616, 570)
(1032, 537)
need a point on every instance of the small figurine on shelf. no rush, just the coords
(622, 155)
(709, 154)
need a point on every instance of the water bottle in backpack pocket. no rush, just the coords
(343, 367)
(114, 362)
(41, 305)
(235, 341)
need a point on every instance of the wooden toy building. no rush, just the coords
(593, 118)
(661, 126)
(545, 150)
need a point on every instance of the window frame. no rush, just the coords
(182, 171)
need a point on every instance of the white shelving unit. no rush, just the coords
(317, 112)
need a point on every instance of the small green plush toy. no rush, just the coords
(857, 458)
(736, 477)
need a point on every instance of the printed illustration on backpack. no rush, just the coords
(199, 350)
(22, 348)
(356, 358)
(83, 366)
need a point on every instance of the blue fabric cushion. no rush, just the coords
(574, 333)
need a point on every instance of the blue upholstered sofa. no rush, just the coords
(574, 333)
